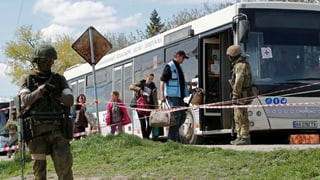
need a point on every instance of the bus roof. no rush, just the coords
(201, 25)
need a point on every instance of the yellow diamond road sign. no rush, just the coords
(100, 45)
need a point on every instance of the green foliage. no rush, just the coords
(19, 52)
(155, 26)
(130, 157)
(13, 168)
(67, 57)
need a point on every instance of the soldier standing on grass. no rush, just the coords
(45, 96)
(241, 84)
(11, 126)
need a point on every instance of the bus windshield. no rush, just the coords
(283, 46)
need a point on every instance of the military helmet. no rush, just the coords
(234, 50)
(44, 51)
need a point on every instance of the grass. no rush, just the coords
(130, 157)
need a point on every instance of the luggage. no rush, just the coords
(162, 117)
(143, 104)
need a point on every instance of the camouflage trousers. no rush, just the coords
(54, 144)
(240, 116)
(12, 128)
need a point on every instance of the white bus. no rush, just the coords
(282, 39)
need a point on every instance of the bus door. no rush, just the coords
(211, 82)
(216, 72)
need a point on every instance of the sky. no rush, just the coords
(73, 17)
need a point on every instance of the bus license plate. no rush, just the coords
(305, 124)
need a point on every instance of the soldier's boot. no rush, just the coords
(243, 141)
(235, 141)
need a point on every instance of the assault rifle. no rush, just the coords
(21, 138)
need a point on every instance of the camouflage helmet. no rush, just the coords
(234, 50)
(44, 51)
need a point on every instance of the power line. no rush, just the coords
(19, 16)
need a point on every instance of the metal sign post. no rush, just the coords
(92, 46)
(94, 77)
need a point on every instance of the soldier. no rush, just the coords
(11, 126)
(241, 84)
(45, 97)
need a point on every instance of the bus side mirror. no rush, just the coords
(244, 28)
(241, 25)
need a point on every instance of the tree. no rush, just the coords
(186, 16)
(67, 57)
(19, 52)
(118, 41)
(155, 26)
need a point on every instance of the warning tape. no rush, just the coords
(15, 147)
(7, 108)
(183, 108)
(206, 106)
(216, 104)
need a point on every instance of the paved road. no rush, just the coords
(268, 147)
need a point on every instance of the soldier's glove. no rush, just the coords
(42, 89)
(52, 90)
(235, 101)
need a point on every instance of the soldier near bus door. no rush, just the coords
(46, 99)
(241, 84)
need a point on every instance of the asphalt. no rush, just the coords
(265, 148)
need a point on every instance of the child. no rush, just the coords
(117, 114)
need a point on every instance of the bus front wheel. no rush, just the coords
(186, 131)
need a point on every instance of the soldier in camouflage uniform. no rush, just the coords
(11, 126)
(45, 96)
(241, 84)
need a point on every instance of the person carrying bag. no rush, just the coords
(146, 97)
(162, 117)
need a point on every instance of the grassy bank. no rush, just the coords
(133, 158)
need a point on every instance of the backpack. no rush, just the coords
(116, 113)
(142, 104)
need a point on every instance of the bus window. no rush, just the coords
(81, 86)
(190, 65)
(127, 81)
(117, 80)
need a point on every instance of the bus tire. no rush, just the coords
(187, 129)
